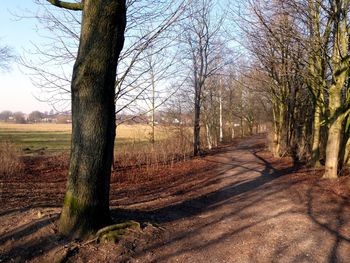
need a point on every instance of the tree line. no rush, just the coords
(35, 117)
(301, 48)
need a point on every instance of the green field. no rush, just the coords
(53, 138)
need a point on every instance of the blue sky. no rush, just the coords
(16, 91)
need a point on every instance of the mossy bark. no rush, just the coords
(114, 233)
(347, 153)
(340, 67)
(318, 63)
(335, 129)
(332, 150)
(86, 204)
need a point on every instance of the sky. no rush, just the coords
(17, 93)
(16, 90)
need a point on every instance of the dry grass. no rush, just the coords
(176, 147)
(131, 132)
(139, 133)
(36, 127)
(10, 162)
(133, 148)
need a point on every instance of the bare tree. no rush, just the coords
(303, 48)
(50, 70)
(201, 47)
(319, 34)
(276, 42)
(6, 57)
(161, 67)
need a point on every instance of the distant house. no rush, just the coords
(50, 119)
(65, 117)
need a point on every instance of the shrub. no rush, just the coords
(10, 162)
(177, 147)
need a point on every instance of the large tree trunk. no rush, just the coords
(340, 67)
(332, 149)
(316, 136)
(86, 204)
(335, 129)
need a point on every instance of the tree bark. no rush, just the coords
(340, 65)
(196, 130)
(316, 136)
(276, 144)
(221, 136)
(276, 130)
(232, 130)
(332, 149)
(347, 152)
(86, 203)
(209, 139)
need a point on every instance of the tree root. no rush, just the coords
(114, 233)
(63, 254)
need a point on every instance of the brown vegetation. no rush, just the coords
(221, 202)
(10, 161)
(148, 156)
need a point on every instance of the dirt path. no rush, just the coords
(256, 215)
(250, 207)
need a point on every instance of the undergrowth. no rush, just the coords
(10, 161)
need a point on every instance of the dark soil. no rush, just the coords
(237, 204)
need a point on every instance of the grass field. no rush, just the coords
(52, 138)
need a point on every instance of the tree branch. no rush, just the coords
(67, 5)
